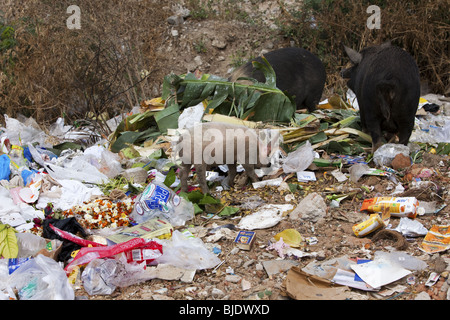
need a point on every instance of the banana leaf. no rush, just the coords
(256, 102)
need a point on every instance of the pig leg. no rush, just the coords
(374, 127)
(201, 177)
(404, 132)
(311, 103)
(184, 175)
(250, 170)
(229, 180)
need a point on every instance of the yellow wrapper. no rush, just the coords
(364, 228)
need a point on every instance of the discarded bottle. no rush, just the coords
(157, 200)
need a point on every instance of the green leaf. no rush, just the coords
(194, 196)
(319, 137)
(268, 71)
(170, 178)
(443, 148)
(228, 211)
(207, 199)
(8, 246)
(257, 102)
(126, 138)
(168, 118)
(197, 209)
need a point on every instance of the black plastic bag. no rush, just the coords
(70, 225)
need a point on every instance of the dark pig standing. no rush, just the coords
(298, 72)
(386, 82)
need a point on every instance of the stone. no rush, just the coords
(217, 293)
(245, 284)
(312, 208)
(423, 296)
(219, 44)
(161, 297)
(198, 61)
(401, 162)
(175, 20)
(233, 278)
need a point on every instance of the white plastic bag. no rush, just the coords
(191, 116)
(29, 244)
(24, 133)
(300, 159)
(104, 160)
(97, 276)
(384, 155)
(187, 253)
(41, 278)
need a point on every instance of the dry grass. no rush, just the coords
(106, 66)
(420, 27)
(111, 63)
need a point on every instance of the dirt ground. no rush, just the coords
(244, 275)
(212, 46)
(216, 45)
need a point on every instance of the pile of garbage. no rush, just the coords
(109, 213)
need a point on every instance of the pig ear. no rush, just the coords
(354, 56)
(386, 44)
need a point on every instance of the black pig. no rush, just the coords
(386, 81)
(298, 72)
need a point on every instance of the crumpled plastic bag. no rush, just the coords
(104, 160)
(384, 155)
(411, 228)
(22, 133)
(97, 275)
(68, 194)
(357, 171)
(191, 116)
(103, 276)
(29, 244)
(78, 169)
(41, 278)
(300, 159)
(187, 253)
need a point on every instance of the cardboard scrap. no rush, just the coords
(303, 286)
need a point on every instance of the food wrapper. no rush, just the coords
(364, 228)
(437, 239)
(395, 206)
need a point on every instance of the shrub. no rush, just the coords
(105, 66)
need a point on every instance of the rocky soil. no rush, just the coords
(214, 46)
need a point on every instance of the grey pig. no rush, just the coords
(386, 81)
(213, 143)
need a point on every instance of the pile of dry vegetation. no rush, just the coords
(49, 70)
(111, 63)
